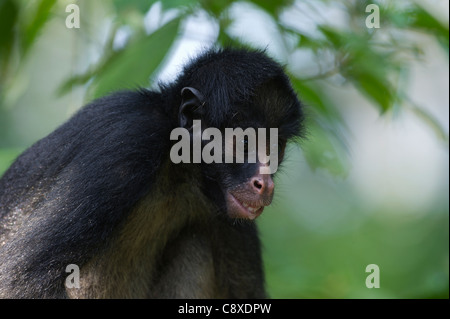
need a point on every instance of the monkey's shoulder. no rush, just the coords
(123, 112)
(115, 136)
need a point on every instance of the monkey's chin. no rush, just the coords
(240, 209)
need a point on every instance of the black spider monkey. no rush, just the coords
(101, 191)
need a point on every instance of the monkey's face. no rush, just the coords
(252, 187)
(239, 169)
(245, 186)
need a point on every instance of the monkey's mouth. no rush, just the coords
(242, 209)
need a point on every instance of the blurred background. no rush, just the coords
(370, 184)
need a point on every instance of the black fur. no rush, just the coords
(67, 196)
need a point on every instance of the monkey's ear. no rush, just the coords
(191, 102)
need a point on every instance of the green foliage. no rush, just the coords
(375, 62)
(8, 17)
(35, 24)
(7, 156)
(417, 18)
(139, 5)
(324, 143)
(272, 7)
(370, 63)
(114, 72)
(332, 265)
(216, 7)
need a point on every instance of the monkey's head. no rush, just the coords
(232, 92)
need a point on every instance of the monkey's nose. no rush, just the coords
(263, 185)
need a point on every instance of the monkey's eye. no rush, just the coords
(245, 144)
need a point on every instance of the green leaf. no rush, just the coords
(7, 157)
(323, 150)
(74, 80)
(272, 7)
(368, 69)
(305, 41)
(420, 19)
(37, 22)
(169, 4)
(225, 40)
(432, 122)
(376, 89)
(311, 95)
(133, 66)
(141, 5)
(8, 17)
(144, 5)
(216, 7)
(324, 146)
(425, 21)
(338, 40)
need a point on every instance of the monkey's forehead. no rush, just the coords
(229, 74)
(269, 110)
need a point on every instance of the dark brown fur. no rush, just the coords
(170, 247)
(101, 192)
